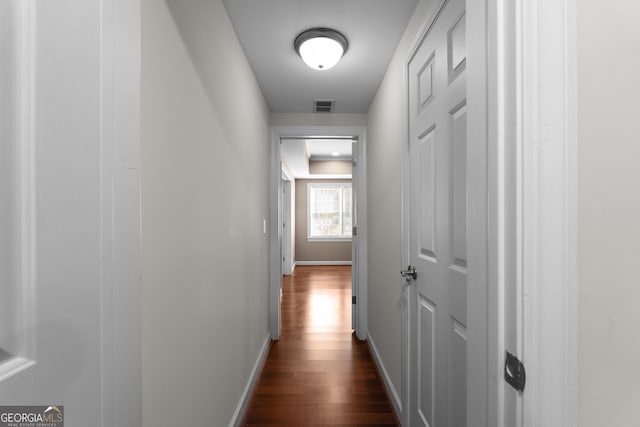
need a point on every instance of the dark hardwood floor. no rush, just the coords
(318, 373)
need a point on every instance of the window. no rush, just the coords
(329, 211)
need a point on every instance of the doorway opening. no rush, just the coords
(316, 207)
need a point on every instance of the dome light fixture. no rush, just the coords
(321, 48)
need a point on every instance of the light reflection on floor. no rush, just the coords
(327, 310)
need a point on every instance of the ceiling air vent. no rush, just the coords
(323, 106)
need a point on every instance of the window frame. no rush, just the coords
(341, 185)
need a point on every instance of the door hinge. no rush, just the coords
(514, 372)
(353, 300)
(355, 163)
(354, 232)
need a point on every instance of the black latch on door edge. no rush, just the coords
(514, 372)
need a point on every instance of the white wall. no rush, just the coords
(608, 213)
(205, 158)
(384, 206)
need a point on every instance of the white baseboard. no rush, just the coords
(395, 398)
(293, 268)
(323, 262)
(236, 419)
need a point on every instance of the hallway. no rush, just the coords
(139, 264)
(318, 373)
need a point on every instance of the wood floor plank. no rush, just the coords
(318, 373)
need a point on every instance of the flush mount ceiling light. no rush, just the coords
(321, 48)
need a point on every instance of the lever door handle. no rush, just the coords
(409, 273)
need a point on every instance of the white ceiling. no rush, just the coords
(266, 30)
(329, 149)
(296, 154)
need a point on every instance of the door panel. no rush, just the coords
(459, 191)
(427, 196)
(426, 368)
(438, 221)
(458, 375)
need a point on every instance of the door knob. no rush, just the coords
(409, 273)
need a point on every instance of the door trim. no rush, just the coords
(547, 140)
(287, 258)
(275, 218)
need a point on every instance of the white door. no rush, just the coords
(447, 228)
(69, 216)
(354, 236)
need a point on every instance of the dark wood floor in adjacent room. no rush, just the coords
(318, 373)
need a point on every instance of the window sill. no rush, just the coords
(329, 239)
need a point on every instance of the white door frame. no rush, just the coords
(275, 218)
(532, 70)
(546, 98)
(287, 249)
